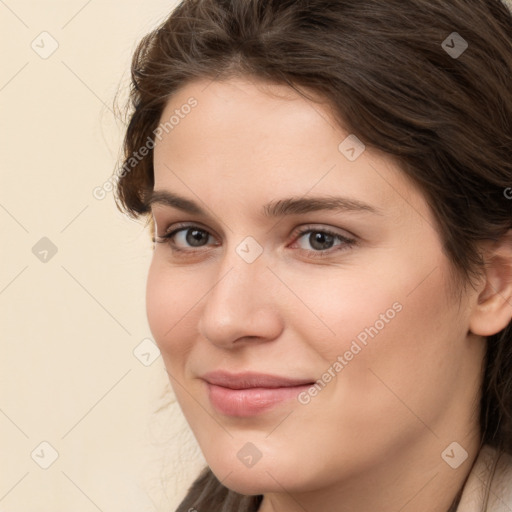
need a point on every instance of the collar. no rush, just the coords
(490, 480)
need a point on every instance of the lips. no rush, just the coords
(248, 394)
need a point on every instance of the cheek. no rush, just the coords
(170, 300)
(339, 307)
(159, 302)
(404, 364)
(395, 322)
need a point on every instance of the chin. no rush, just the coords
(248, 482)
(265, 476)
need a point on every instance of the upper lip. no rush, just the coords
(247, 380)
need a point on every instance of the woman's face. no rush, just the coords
(299, 256)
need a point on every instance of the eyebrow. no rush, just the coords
(278, 208)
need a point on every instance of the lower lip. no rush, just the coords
(251, 401)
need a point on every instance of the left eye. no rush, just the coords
(320, 240)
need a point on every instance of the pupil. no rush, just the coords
(195, 237)
(321, 241)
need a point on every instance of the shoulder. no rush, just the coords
(490, 480)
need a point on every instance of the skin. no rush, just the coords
(372, 438)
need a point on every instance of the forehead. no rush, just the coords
(251, 112)
(262, 141)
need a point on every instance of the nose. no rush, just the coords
(241, 306)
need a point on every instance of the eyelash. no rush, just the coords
(346, 243)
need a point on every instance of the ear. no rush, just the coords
(493, 309)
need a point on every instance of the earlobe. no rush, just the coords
(492, 311)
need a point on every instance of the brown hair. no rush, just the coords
(388, 71)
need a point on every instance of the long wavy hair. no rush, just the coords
(395, 78)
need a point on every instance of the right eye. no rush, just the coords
(185, 238)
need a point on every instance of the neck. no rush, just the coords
(418, 480)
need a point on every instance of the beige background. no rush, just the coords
(70, 324)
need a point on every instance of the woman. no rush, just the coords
(328, 186)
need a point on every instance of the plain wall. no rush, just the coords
(70, 324)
